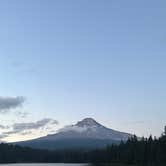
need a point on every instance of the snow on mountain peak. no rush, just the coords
(87, 122)
(90, 129)
(82, 126)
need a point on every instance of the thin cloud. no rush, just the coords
(4, 127)
(33, 125)
(22, 114)
(27, 128)
(8, 103)
(3, 136)
(15, 132)
(26, 133)
(9, 132)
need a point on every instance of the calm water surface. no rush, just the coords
(44, 164)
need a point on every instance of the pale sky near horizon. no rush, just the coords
(66, 60)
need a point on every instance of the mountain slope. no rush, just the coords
(85, 134)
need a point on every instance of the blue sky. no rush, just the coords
(80, 58)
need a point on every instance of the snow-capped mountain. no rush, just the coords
(87, 132)
(89, 128)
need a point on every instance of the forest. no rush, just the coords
(136, 151)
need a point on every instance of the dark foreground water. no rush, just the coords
(43, 164)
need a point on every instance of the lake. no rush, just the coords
(56, 164)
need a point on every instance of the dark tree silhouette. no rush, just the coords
(144, 151)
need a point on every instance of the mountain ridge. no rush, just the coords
(85, 133)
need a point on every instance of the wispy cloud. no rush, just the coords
(33, 125)
(4, 127)
(26, 133)
(27, 128)
(9, 132)
(3, 136)
(22, 114)
(8, 103)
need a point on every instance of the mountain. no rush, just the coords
(85, 134)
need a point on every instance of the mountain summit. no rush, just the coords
(89, 128)
(87, 122)
(85, 133)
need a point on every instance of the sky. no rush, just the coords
(62, 61)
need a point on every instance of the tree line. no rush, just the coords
(136, 151)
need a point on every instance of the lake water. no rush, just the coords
(43, 164)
